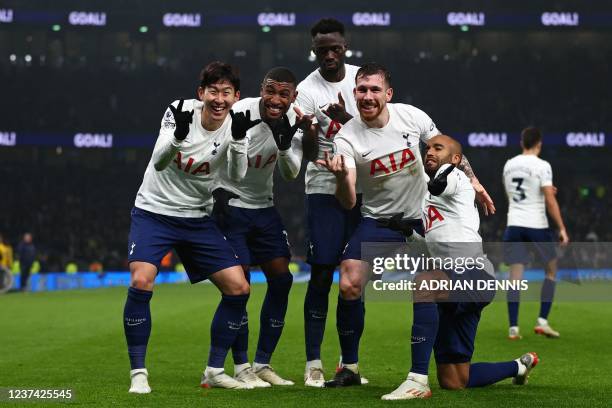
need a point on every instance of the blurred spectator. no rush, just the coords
(6, 254)
(26, 252)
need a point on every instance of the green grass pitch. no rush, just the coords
(74, 339)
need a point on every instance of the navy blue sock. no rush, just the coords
(546, 297)
(514, 297)
(350, 316)
(315, 316)
(224, 328)
(482, 374)
(272, 318)
(240, 347)
(424, 331)
(137, 325)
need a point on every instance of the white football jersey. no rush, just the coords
(524, 177)
(452, 216)
(388, 161)
(181, 189)
(314, 95)
(255, 188)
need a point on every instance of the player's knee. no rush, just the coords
(238, 289)
(350, 288)
(321, 277)
(142, 279)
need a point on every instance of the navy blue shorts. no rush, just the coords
(457, 331)
(199, 243)
(540, 239)
(459, 320)
(256, 234)
(368, 231)
(330, 226)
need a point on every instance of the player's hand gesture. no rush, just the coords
(182, 119)
(283, 132)
(335, 165)
(221, 208)
(241, 123)
(396, 223)
(337, 111)
(303, 121)
(483, 198)
(436, 186)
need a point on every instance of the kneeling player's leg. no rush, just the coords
(137, 312)
(274, 308)
(316, 305)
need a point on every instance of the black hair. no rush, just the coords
(326, 26)
(218, 71)
(281, 74)
(374, 68)
(530, 137)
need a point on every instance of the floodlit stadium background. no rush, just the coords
(84, 86)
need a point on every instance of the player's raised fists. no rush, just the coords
(182, 119)
(334, 164)
(241, 123)
(337, 111)
(437, 185)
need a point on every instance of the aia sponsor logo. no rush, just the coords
(392, 163)
(189, 166)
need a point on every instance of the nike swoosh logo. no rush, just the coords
(322, 106)
(365, 154)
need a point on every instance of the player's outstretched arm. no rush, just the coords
(485, 200)
(552, 206)
(174, 129)
(345, 179)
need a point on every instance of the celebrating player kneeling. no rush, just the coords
(449, 326)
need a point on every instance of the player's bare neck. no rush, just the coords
(531, 152)
(336, 76)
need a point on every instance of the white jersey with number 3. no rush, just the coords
(524, 177)
(315, 94)
(452, 216)
(388, 161)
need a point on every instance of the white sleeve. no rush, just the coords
(290, 160)
(237, 159)
(545, 175)
(427, 127)
(343, 147)
(305, 102)
(166, 145)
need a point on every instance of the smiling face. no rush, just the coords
(218, 99)
(372, 94)
(329, 50)
(441, 150)
(276, 98)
